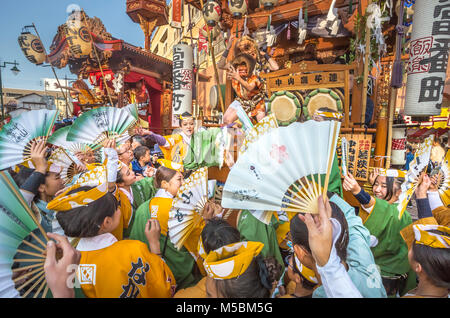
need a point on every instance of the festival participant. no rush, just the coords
(123, 269)
(133, 192)
(125, 153)
(238, 270)
(187, 147)
(409, 156)
(429, 256)
(327, 236)
(141, 160)
(428, 241)
(137, 141)
(380, 216)
(40, 185)
(352, 247)
(248, 89)
(437, 152)
(215, 234)
(182, 263)
(58, 270)
(252, 229)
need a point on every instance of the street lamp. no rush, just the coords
(15, 71)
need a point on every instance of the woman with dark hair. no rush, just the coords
(239, 271)
(352, 254)
(215, 234)
(186, 267)
(379, 215)
(39, 185)
(110, 268)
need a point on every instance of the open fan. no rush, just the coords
(59, 138)
(22, 245)
(420, 162)
(444, 180)
(277, 172)
(67, 163)
(264, 126)
(17, 136)
(98, 124)
(187, 206)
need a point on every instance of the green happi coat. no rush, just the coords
(143, 190)
(251, 229)
(204, 150)
(391, 252)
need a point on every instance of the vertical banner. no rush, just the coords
(358, 156)
(177, 6)
(398, 152)
(182, 79)
(428, 57)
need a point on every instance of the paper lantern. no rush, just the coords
(268, 4)
(238, 7)
(428, 58)
(78, 39)
(32, 47)
(398, 146)
(215, 32)
(212, 12)
(182, 79)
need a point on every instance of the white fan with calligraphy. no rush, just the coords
(187, 206)
(420, 162)
(280, 171)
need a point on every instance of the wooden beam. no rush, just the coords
(145, 72)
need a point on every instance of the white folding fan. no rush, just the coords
(420, 162)
(273, 173)
(22, 245)
(98, 124)
(66, 162)
(17, 136)
(444, 180)
(59, 138)
(187, 206)
(264, 126)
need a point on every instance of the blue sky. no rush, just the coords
(47, 15)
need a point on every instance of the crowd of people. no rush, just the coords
(117, 233)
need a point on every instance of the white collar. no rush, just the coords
(128, 194)
(161, 193)
(186, 138)
(98, 242)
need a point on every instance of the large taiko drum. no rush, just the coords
(286, 106)
(319, 98)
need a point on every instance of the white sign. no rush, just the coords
(182, 79)
(427, 65)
